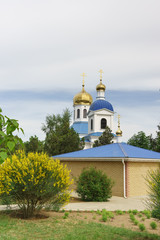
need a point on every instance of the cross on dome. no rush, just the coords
(101, 71)
(83, 75)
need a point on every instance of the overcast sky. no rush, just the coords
(46, 45)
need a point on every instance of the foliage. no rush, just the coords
(105, 138)
(66, 214)
(139, 140)
(60, 138)
(157, 140)
(136, 222)
(94, 185)
(34, 180)
(142, 227)
(8, 141)
(132, 217)
(148, 142)
(135, 211)
(153, 225)
(104, 217)
(153, 180)
(119, 212)
(34, 145)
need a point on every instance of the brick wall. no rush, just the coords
(137, 172)
(112, 169)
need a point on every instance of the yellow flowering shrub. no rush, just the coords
(153, 202)
(34, 180)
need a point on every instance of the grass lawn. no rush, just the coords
(75, 226)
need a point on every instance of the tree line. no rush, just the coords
(61, 138)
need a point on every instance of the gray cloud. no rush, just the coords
(46, 45)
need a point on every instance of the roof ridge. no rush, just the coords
(121, 147)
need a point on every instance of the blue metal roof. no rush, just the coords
(114, 150)
(80, 127)
(101, 104)
(95, 134)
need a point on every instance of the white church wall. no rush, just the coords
(81, 108)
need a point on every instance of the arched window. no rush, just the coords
(74, 115)
(78, 113)
(103, 123)
(85, 113)
(91, 124)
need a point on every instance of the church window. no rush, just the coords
(78, 113)
(85, 113)
(103, 123)
(91, 124)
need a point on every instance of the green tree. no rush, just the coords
(8, 141)
(60, 138)
(34, 145)
(157, 140)
(140, 140)
(105, 138)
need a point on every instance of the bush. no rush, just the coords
(153, 225)
(142, 227)
(136, 222)
(132, 217)
(135, 211)
(33, 181)
(94, 185)
(153, 180)
(104, 217)
(119, 212)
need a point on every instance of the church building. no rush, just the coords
(126, 165)
(92, 117)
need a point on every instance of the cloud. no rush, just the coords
(46, 45)
(139, 110)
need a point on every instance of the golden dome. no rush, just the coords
(101, 86)
(119, 132)
(82, 98)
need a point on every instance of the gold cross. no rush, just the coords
(100, 71)
(119, 119)
(83, 75)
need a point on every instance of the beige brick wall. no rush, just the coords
(112, 169)
(137, 172)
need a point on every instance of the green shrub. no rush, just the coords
(132, 217)
(66, 214)
(34, 181)
(153, 180)
(119, 212)
(94, 185)
(147, 213)
(135, 211)
(110, 214)
(136, 222)
(153, 225)
(156, 213)
(142, 227)
(104, 217)
(99, 212)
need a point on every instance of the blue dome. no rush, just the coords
(100, 104)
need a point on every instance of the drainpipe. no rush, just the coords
(124, 178)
